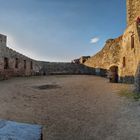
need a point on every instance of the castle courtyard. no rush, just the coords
(71, 107)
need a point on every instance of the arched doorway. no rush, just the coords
(113, 74)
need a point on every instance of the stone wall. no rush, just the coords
(133, 10)
(64, 68)
(13, 63)
(108, 56)
(130, 52)
(123, 52)
(18, 67)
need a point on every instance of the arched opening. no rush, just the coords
(113, 74)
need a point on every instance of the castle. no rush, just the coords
(121, 56)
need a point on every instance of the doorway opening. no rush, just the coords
(113, 74)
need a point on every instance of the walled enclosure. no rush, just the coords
(121, 55)
(13, 63)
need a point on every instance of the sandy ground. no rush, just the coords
(74, 108)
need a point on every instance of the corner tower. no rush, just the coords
(133, 10)
(3, 40)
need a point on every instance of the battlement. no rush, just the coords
(3, 40)
(133, 10)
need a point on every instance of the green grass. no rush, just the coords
(129, 94)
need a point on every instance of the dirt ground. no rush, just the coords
(71, 107)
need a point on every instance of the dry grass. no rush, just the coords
(129, 94)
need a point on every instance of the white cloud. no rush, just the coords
(94, 40)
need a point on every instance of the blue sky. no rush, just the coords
(61, 30)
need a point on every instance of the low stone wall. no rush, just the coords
(64, 68)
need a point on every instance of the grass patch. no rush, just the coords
(129, 94)
(136, 96)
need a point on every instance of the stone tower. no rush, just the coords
(3, 40)
(133, 10)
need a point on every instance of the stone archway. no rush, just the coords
(113, 74)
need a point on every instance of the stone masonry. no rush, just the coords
(13, 63)
(133, 10)
(121, 56)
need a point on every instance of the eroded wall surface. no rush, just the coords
(133, 10)
(17, 64)
(123, 52)
(20, 65)
(108, 56)
(131, 52)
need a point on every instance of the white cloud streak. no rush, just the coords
(94, 40)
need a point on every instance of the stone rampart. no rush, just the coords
(65, 68)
